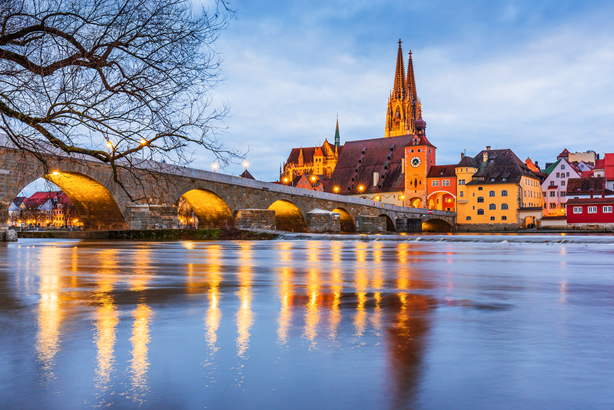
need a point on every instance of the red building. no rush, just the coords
(593, 211)
(441, 187)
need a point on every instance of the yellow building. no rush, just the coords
(319, 161)
(496, 190)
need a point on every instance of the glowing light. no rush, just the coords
(214, 167)
(285, 179)
(109, 145)
(313, 179)
(245, 164)
(336, 189)
(143, 141)
(56, 173)
(377, 198)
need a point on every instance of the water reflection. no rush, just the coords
(50, 313)
(335, 297)
(244, 315)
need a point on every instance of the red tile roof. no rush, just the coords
(502, 166)
(600, 164)
(360, 159)
(437, 171)
(587, 186)
(594, 200)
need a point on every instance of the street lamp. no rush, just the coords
(214, 167)
(361, 188)
(245, 164)
(336, 189)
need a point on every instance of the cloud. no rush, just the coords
(534, 78)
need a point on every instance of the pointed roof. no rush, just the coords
(318, 152)
(411, 80)
(337, 137)
(399, 77)
(246, 175)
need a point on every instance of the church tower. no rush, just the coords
(404, 107)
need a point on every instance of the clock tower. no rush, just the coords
(419, 157)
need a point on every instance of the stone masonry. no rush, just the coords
(370, 224)
(323, 222)
(152, 217)
(255, 219)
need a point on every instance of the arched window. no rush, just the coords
(504, 218)
(480, 199)
(504, 193)
(491, 193)
(468, 218)
(492, 218)
(492, 207)
(480, 212)
(504, 207)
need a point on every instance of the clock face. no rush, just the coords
(415, 162)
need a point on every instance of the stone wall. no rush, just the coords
(489, 227)
(152, 217)
(255, 219)
(370, 224)
(324, 222)
(410, 225)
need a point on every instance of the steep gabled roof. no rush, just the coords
(360, 159)
(551, 168)
(600, 164)
(246, 175)
(18, 200)
(502, 166)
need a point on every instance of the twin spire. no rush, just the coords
(404, 87)
(404, 107)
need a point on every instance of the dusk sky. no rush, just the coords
(535, 77)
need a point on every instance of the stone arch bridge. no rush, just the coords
(218, 200)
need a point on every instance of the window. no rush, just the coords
(552, 205)
(445, 182)
(562, 166)
(491, 193)
(577, 209)
(504, 218)
(592, 209)
(504, 179)
(492, 218)
(504, 193)
(551, 183)
(434, 183)
(480, 199)
(461, 182)
(563, 193)
(492, 207)
(558, 174)
(568, 175)
(552, 193)
(480, 188)
(607, 209)
(504, 207)
(462, 194)
(480, 212)
(562, 183)
(468, 218)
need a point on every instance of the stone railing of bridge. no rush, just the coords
(153, 189)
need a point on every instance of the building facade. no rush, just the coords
(554, 187)
(497, 188)
(441, 187)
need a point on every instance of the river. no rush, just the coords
(429, 322)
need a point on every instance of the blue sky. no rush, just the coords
(532, 76)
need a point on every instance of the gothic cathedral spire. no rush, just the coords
(337, 137)
(404, 107)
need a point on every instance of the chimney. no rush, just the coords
(462, 155)
(488, 147)
(375, 178)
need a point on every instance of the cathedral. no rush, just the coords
(393, 169)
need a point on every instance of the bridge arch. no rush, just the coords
(436, 225)
(288, 216)
(97, 207)
(347, 222)
(210, 209)
(389, 223)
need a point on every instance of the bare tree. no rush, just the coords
(108, 79)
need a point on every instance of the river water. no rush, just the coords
(434, 322)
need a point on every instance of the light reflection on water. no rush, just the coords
(304, 324)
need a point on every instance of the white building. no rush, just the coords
(555, 186)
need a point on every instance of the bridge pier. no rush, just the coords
(371, 224)
(255, 219)
(409, 225)
(320, 221)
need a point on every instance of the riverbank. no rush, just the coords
(155, 235)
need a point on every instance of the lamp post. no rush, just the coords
(245, 164)
(214, 167)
